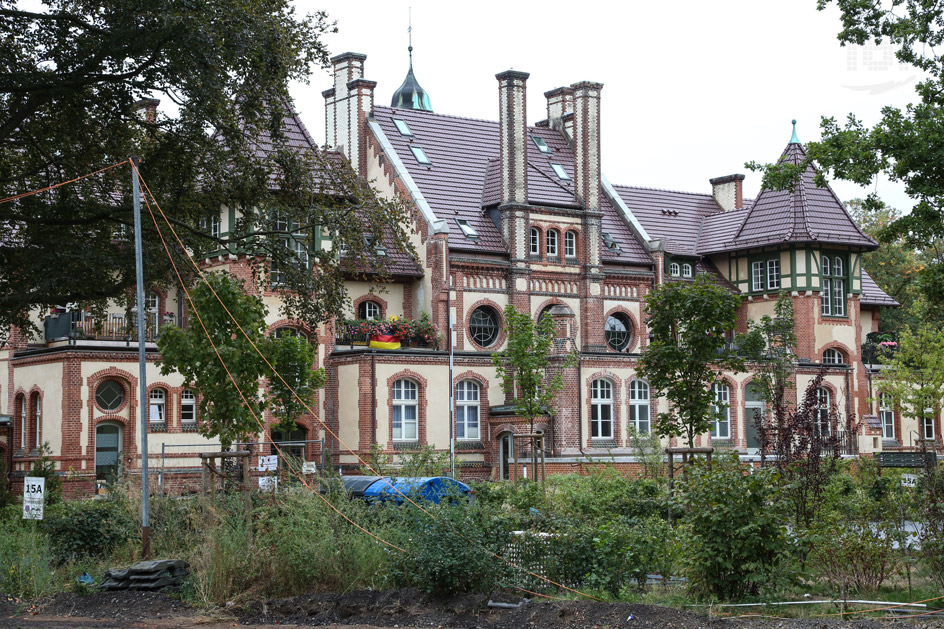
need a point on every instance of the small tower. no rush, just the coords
(410, 95)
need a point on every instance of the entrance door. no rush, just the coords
(107, 450)
(506, 454)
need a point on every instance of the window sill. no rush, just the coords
(469, 445)
(406, 445)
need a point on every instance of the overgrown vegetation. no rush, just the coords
(735, 535)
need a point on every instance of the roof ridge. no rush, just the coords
(451, 116)
(700, 194)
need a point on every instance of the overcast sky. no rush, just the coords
(692, 89)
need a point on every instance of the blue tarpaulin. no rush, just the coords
(391, 489)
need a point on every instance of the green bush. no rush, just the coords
(854, 555)
(735, 541)
(605, 494)
(451, 552)
(88, 528)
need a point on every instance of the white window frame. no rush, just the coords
(570, 244)
(686, 270)
(39, 420)
(833, 292)
(674, 269)
(405, 396)
(833, 356)
(639, 409)
(757, 275)
(468, 415)
(535, 242)
(773, 273)
(188, 399)
(721, 405)
(823, 409)
(372, 310)
(157, 406)
(601, 409)
(752, 407)
(551, 237)
(886, 415)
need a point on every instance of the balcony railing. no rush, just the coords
(114, 328)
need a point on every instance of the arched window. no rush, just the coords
(404, 419)
(674, 269)
(686, 270)
(570, 244)
(721, 411)
(157, 406)
(927, 419)
(108, 446)
(552, 243)
(833, 357)
(823, 410)
(109, 395)
(535, 245)
(484, 326)
(546, 313)
(291, 443)
(188, 408)
(618, 331)
(467, 410)
(601, 409)
(20, 409)
(886, 414)
(38, 414)
(639, 406)
(369, 310)
(286, 330)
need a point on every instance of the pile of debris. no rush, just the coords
(147, 575)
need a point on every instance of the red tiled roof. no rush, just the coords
(675, 217)
(463, 177)
(872, 295)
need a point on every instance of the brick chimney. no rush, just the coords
(347, 105)
(728, 191)
(560, 110)
(513, 130)
(587, 143)
(146, 108)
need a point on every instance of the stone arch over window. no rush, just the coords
(837, 347)
(20, 425)
(159, 406)
(595, 397)
(125, 379)
(291, 324)
(499, 315)
(407, 376)
(370, 297)
(109, 444)
(633, 331)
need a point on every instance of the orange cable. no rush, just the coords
(305, 404)
(64, 183)
(241, 395)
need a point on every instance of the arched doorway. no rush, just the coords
(506, 454)
(108, 448)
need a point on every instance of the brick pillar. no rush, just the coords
(341, 106)
(362, 98)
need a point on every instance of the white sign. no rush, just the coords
(34, 495)
(268, 483)
(268, 463)
(309, 467)
(909, 480)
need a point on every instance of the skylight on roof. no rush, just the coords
(541, 144)
(467, 229)
(420, 155)
(559, 170)
(401, 127)
(609, 242)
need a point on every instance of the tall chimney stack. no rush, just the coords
(513, 129)
(346, 107)
(587, 143)
(728, 191)
(560, 110)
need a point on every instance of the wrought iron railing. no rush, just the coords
(115, 328)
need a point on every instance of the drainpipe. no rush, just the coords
(452, 388)
(579, 402)
(373, 386)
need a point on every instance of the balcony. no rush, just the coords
(116, 327)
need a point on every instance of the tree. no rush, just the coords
(770, 345)
(689, 323)
(914, 374)
(71, 77)
(898, 269)
(225, 411)
(526, 362)
(904, 144)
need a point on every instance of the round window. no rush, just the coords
(109, 395)
(618, 331)
(483, 326)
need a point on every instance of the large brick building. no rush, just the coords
(503, 212)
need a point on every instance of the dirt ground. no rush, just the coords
(405, 609)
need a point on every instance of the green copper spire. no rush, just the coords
(794, 139)
(410, 95)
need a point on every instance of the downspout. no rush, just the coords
(373, 385)
(579, 403)
(452, 388)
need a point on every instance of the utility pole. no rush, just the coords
(142, 380)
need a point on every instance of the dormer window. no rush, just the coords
(541, 144)
(402, 127)
(559, 171)
(467, 229)
(686, 270)
(420, 155)
(674, 269)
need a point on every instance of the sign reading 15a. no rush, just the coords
(34, 493)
